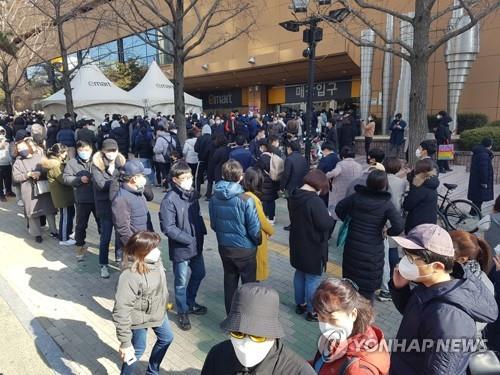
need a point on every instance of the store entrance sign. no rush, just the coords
(322, 91)
(222, 99)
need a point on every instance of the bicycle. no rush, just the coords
(458, 214)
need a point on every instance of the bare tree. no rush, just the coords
(430, 32)
(190, 28)
(59, 14)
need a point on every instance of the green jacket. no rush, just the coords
(62, 194)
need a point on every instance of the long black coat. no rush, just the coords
(310, 227)
(296, 169)
(481, 173)
(443, 132)
(219, 157)
(363, 260)
(270, 188)
(421, 201)
(120, 135)
(346, 134)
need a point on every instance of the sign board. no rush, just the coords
(322, 91)
(222, 99)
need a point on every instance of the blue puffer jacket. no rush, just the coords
(66, 137)
(233, 217)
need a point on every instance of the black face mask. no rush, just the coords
(24, 153)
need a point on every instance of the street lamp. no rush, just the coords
(312, 35)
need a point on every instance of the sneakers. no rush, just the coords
(72, 236)
(301, 309)
(311, 317)
(272, 222)
(69, 242)
(197, 310)
(20, 203)
(39, 239)
(80, 253)
(54, 235)
(384, 296)
(184, 322)
(104, 272)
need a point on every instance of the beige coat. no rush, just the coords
(341, 177)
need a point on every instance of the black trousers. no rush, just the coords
(5, 179)
(161, 170)
(83, 211)
(443, 165)
(237, 263)
(368, 142)
(200, 175)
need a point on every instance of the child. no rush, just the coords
(141, 297)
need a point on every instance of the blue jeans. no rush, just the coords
(304, 285)
(186, 289)
(106, 230)
(164, 337)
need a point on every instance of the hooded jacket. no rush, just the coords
(310, 227)
(363, 260)
(222, 360)
(181, 222)
(102, 180)
(481, 173)
(366, 350)
(233, 217)
(447, 310)
(421, 201)
(61, 193)
(140, 300)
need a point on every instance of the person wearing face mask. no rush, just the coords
(128, 204)
(181, 222)
(368, 128)
(426, 150)
(61, 193)
(28, 172)
(397, 139)
(106, 167)
(443, 136)
(140, 299)
(77, 174)
(446, 303)
(310, 228)
(350, 343)
(218, 128)
(255, 344)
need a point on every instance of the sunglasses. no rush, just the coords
(241, 336)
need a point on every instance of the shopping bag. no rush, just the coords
(446, 152)
(40, 188)
(343, 232)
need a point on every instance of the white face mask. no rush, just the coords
(111, 155)
(140, 182)
(410, 270)
(418, 153)
(217, 122)
(334, 332)
(439, 117)
(153, 255)
(251, 353)
(186, 184)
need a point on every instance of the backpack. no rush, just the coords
(276, 166)
(170, 148)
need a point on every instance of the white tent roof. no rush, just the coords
(155, 88)
(90, 87)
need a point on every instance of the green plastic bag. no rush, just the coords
(343, 232)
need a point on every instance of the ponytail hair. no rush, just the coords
(485, 255)
(474, 248)
(56, 150)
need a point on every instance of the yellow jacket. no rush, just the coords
(267, 230)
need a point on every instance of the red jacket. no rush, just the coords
(373, 358)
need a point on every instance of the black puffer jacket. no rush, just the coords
(364, 248)
(219, 157)
(120, 135)
(270, 188)
(421, 201)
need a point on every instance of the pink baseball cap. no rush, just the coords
(427, 237)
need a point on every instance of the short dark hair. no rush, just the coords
(253, 180)
(399, 115)
(220, 140)
(57, 150)
(82, 143)
(294, 146)
(318, 180)
(191, 133)
(429, 146)
(179, 168)
(273, 138)
(487, 142)
(392, 165)
(377, 180)
(424, 166)
(429, 257)
(347, 152)
(377, 154)
(232, 171)
(327, 146)
(240, 140)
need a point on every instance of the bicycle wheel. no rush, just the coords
(462, 215)
(442, 222)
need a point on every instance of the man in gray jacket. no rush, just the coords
(77, 174)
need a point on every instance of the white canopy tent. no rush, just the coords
(156, 93)
(93, 96)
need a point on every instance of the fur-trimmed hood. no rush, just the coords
(50, 163)
(98, 160)
(428, 178)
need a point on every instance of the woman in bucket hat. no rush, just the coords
(255, 338)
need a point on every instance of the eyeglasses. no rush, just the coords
(241, 336)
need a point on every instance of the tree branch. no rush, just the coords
(379, 8)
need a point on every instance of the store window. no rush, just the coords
(104, 54)
(141, 47)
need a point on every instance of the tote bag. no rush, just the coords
(343, 232)
(446, 152)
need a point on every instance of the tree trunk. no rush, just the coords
(419, 73)
(9, 105)
(66, 79)
(180, 109)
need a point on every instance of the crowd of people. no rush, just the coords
(445, 285)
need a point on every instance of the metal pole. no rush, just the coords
(310, 88)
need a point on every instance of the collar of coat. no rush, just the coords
(101, 163)
(420, 178)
